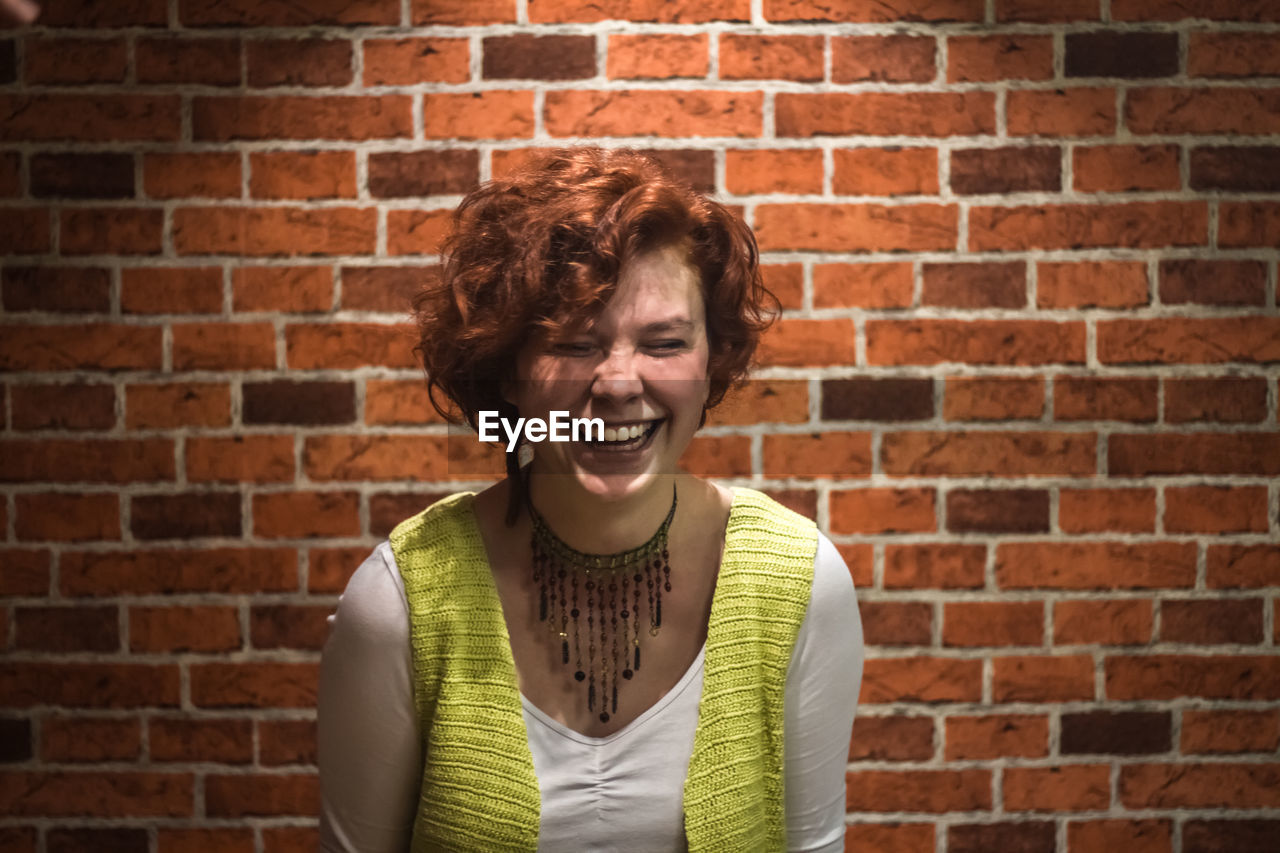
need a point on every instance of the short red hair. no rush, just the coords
(548, 241)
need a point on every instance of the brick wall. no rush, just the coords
(1027, 380)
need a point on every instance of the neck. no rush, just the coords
(586, 523)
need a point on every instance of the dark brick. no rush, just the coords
(1031, 837)
(975, 171)
(530, 57)
(1207, 282)
(1228, 399)
(8, 61)
(205, 61)
(1108, 54)
(422, 173)
(387, 509)
(10, 177)
(95, 13)
(895, 738)
(289, 626)
(303, 403)
(897, 623)
(113, 840)
(67, 629)
(299, 62)
(693, 166)
(982, 285)
(1240, 168)
(998, 510)
(51, 406)
(1230, 836)
(388, 289)
(15, 740)
(62, 289)
(1211, 621)
(184, 516)
(865, 399)
(1116, 732)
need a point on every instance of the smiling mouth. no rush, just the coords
(637, 437)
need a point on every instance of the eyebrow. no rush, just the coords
(673, 324)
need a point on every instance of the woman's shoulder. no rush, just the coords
(440, 518)
(372, 609)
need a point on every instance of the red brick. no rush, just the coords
(884, 113)
(1232, 54)
(410, 174)
(90, 460)
(1095, 565)
(226, 741)
(996, 398)
(26, 572)
(863, 285)
(290, 839)
(934, 791)
(860, 559)
(1040, 678)
(1087, 284)
(240, 459)
(885, 171)
(897, 623)
(295, 515)
(1134, 225)
(525, 56)
(349, 345)
(80, 406)
(921, 679)
(88, 13)
(287, 741)
(1248, 224)
(760, 401)
(222, 840)
(1044, 11)
(462, 12)
(771, 171)
(1234, 786)
(889, 837)
(298, 62)
(1022, 837)
(799, 342)
(997, 736)
(302, 174)
(225, 119)
(10, 174)
(88, 685)
(857, 227)
(1255, 677)
(707, 456)
(71, 61)
(200, 61)
(1216, 509)
(407, 61)
(24, 231)
(821, 455)
(1114, 622)
(87, 347)
(1248, 453)
(252, 13)
(223, 346)
(274, 231)
(66, 629)
(882, 510)
(171, 290)
(491, 114)
(177, 404)
(873, 11)
(211, 174)
(1092, 398)
(662, 11)
(329, 569)
(372, 457)
(1218, 110)
(993, 58)
(974, 285)
(287, 626)
(91, 118)
(1229, 731)
(261, 795)
(116, 794)
(1011, 169)
(1013, 342)
(282, 288)
(90, 739)
(1135, 836)
(254, 685)
(891, 59)
(1110, 509)
(394, 402)
(1125, 168)
(934, 566)
(1234, 566)
(1065, 787)
(115, 231)
(61, 517)
(1207, 282)
(653, 113)
(657, 56)
(896, 738)
(184, 629)
(164, 571)
(958, 453)
(1207, 622)
(417, 232)
(992, 623)
(759, 57)
(1077, 111)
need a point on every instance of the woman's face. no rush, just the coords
(640, 363)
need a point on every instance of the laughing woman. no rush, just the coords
(600, 652)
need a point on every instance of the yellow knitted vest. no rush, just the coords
(479, 791)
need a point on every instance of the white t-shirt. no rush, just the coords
(620, 793)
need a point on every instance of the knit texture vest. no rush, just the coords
(479, 790)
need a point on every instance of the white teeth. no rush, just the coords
(635, 431)
(625, 433)
(610, 434)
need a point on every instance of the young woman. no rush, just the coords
(601, 652)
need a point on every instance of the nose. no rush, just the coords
(617, 377)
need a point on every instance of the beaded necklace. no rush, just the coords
(564, 575)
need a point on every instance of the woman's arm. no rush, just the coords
(370, 749)
(821, 696)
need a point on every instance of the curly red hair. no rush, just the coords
(545, 244)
